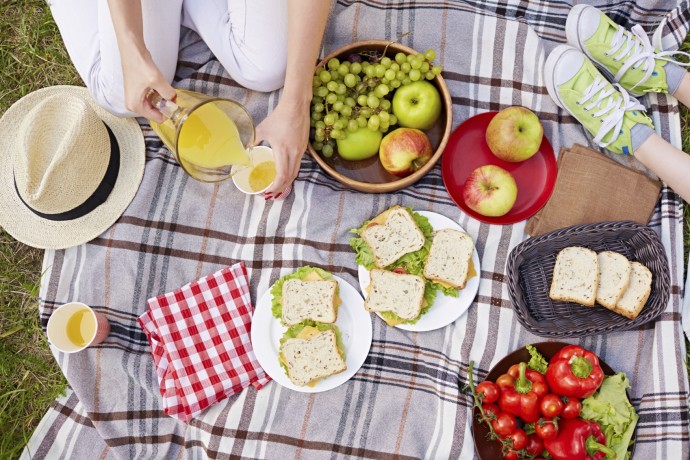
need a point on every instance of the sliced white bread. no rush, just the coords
(314, 300)
(449, 258)
(614, 277)
(399, 293)
(575, 276)
(635, 297)
(391, 235)
(313, 358)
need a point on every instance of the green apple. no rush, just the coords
(359, 145)
(490, 191)
(405, 150)
(514, 134)
(417, 105)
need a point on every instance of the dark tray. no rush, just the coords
(490, 450)
(530, 269)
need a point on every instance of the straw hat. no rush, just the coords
(68, 168)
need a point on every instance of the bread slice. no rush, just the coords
(399, 293)
(311, 359)
(314, 300)
(575, 276)
(635, 297)
(449, 258)
(614, 277)
(391, 235)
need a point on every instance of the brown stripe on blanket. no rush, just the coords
(211, 258)
(237, 239)
(305, 426)
(303, 443)
(207, 230)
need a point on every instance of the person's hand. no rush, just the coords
(286, 129)
(140, 73)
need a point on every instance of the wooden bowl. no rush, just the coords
(368, 175)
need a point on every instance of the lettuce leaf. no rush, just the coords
(537, 361)
(449, 291)
(277, 289)
(293, 332)
(611, 408)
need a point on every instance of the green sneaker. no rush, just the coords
(607, 112)
(626, 57)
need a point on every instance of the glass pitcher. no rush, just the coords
(206, 134)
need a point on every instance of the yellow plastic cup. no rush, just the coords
(75, 326)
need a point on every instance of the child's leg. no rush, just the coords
(669, 163)
(249, 38)
(89, 37)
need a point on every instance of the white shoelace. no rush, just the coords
(643, 53)
(602, 99)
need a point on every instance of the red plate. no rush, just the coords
(467, 150)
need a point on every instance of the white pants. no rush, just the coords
(249, 38)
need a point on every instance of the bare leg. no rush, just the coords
(683, 91)
(669, 163)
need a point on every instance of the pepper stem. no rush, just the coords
(523, 384)
(580, 367)
(593, 446)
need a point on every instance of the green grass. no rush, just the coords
(32, 56)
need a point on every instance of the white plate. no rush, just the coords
(445, 309)
(353, 321)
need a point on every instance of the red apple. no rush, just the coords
(490, 191)
(405, 150)
(514, 134)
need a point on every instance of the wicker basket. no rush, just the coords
(530, 269)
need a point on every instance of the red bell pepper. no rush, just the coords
(579, 439)
(574, 372)
(522, 399)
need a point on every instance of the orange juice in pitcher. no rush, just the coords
(207, 135)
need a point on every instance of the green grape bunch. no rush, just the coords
(356, 93)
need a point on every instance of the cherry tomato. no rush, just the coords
(510, 455)
(514, 371)
(399, 271)
(572, 408)
(491, 410)
(551, 406)
(488, 392)
(505, 380)
(519, 439)
(504, 424)
(535, 445)
(546, 429)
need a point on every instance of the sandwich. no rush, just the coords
(575, 276)
(398, 297)
(312, 351)
(395, 238)
(450, 259)
(310, 293)
(614, 278)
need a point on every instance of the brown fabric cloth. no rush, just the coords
(592, 188)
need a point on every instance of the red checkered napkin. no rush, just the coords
(200, 340)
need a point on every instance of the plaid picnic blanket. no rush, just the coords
(407, 399)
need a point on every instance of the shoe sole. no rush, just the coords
(549, 73)
(573, 38)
